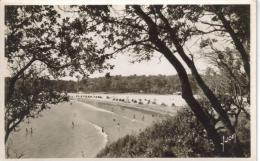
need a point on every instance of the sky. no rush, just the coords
(157, 65)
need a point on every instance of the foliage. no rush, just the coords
(243, 131)
(42, 45)
(230, 84)
(39, 33)
(32, 95)
(180, 136)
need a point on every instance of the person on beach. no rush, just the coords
(82, 154)
(26, 131)
(31, 130)
(103, 129)
(72, 124)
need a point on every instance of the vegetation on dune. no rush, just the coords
(180, 136)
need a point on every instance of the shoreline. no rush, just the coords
(164, 102)
(99, 127)
(156, 109)
(112, 132)
(104, 134)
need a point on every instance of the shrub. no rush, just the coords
(243, 133)
(181, 136)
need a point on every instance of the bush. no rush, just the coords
(243, 133)
(181, 136)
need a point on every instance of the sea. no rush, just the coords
(74, 130)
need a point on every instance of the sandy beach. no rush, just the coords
(77, 129)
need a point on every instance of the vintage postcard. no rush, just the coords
(121, 80)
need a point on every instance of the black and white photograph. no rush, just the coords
(129, 81)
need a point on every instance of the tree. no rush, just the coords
(32, 95)
(233, 87)
(143, 30)
(187, 93)
(239, 25)
(230, 21)
(40, 45)
(233, 23)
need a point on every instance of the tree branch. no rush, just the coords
(15, 78)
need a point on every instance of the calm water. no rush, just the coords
(74, 130)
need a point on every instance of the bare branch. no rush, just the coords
(211, 24)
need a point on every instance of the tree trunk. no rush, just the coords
(185, 84)
(6, 135)
(187, 95)
(11, 88)
(206, 90)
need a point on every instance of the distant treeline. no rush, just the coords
(159, 84)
